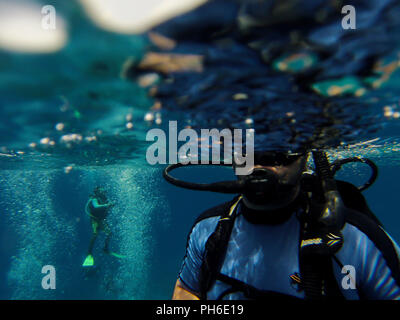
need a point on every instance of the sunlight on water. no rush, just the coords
(135, 16)
(383, 152)
(21, 32)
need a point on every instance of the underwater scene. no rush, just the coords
(89, 90)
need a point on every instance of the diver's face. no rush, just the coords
(287, 179)
(287, 174)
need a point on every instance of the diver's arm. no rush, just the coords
(373, 277)
(188, 286)
(96, 204)
(87, 207)
(381, 283)
(181, 292)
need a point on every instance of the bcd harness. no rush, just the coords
(317, 247)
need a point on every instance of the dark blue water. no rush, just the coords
(150, 224)
(64, 130)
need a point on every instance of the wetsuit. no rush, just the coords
(98, 213)
(265, 256)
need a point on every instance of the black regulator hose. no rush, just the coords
(256, 183)
(333, 212)
(316, 259)
(232, 187)
(259, 181)
(337, 165)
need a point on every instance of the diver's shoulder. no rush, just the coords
(216, 211)
(364, 233)
(361, 223)
(209, 218)
(207, 221)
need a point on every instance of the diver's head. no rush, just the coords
(274, 180)
(100, 194)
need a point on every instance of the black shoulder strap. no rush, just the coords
(353, 199)
(316, 249)
(363, 218)
(379, 238)
(215, 249)
(216, 211)
(219, 210)
(358, 215)
(351, 196)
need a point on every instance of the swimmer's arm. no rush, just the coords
(181, 292)
(96, 204)
(87, 206)
(188, 285)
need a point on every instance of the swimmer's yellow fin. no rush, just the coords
(89, 261)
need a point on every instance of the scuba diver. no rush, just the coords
(97, 208)
(288, 234)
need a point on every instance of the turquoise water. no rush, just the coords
(65, 129)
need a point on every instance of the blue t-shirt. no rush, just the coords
(265, 256)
